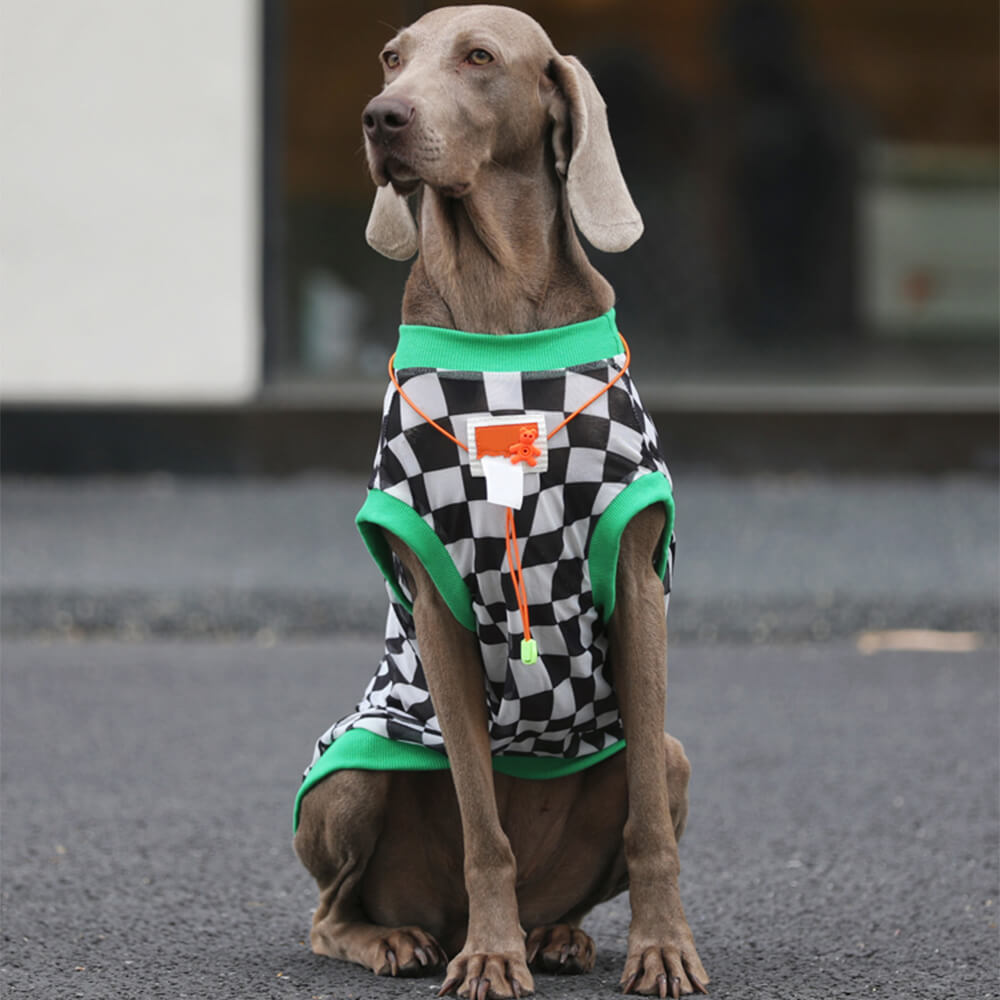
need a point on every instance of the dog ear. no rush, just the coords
(391, 229)
(598, 197)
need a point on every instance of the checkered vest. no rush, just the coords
(603, 467)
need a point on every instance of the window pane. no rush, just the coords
(818, 184)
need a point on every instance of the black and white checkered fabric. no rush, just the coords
(563, 705)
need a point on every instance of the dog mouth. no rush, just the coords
(389, 169)
(405, 177)
(456, 190)
(404, 185)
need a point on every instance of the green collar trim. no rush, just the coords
(538, 351)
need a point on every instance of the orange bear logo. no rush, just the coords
(524, 450)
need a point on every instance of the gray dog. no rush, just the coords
(478, 793)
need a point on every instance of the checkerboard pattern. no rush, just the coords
(563, 705)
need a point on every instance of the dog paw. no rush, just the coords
(665, 969)
(407, 951)
(488, 977)
(562, 949)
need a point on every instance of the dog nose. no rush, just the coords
(386, 117)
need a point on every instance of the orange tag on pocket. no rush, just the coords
(520, 439)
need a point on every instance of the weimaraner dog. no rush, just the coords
(507, 143)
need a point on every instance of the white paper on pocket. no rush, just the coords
(504, 481)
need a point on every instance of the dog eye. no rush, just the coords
(391, 59)
(479, 57)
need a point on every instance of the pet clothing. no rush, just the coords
(558, 714)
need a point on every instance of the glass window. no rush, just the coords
(817, 180)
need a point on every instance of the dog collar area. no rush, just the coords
(581, 343)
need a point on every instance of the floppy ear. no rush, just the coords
(598, 198)
(391, 229)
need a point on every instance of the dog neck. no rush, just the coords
(504, 258)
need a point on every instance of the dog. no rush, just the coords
(489, 836)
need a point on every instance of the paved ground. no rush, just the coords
(843, 838)
(173, 647)
(758, 558)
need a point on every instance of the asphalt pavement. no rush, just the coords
(172, 648)
(842, 839)
(759, 558)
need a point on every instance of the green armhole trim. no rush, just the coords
(361, 750)
(383, 511)
(653, 487)
(540, 350)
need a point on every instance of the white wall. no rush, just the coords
(129, 202)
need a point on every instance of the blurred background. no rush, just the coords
(186, 191)
(818, 183)
(193, 338)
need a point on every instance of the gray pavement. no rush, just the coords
(843, 839)
(171, 649)
(759, 559)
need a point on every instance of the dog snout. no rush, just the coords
(385, 118)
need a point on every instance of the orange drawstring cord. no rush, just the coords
(417, 410)
(529, 648)
(555, 430)
(597, 395)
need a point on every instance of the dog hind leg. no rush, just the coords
(562, 948)
(338, 828)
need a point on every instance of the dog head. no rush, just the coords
(467, 87)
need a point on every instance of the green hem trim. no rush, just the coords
(540, 350)
(605, 544)
(383, 512)
(358, 749)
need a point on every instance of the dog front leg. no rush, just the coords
(661, 949)
(492, 962)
